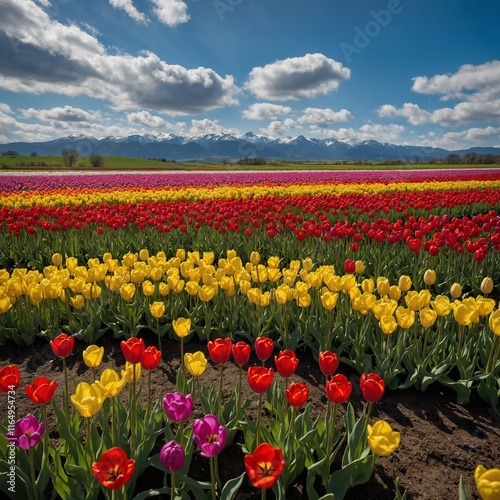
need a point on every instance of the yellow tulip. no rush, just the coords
(77, 285)
(484, 305)
(382, 439)
(196, 363)
(245, 286)
(180, 254)
(412, 300)
(87, 399)
(148, 288)
(314, 279)
(253, 295)
(281, 294)
(405, 317)
(494, 322)
(388, 324)
(360, 267)
(35, 293)
(430, 277)
(289, 276)
(156, 273)
(111, 264)
(329, 300)
(395, 292)
(273, 262)
(404, 283)
(129, 259)
(259, 274)
(137, 275)
(265, 298)
(307, 264)
(14, 287)
(163, 288)
(304, 300)
(71, 263)
(231, 254)
(348, 281)
(206, 293)
(383, 286)
(157, 309)
(368, 285)
(487, 285)
(106, 256)
(110, 384)
(78, 301)
(273, 275)
(91, 291)
(127, 291)
(5, 303)
(144, 254)
(128, 373)
(176, 284)
(192, 288)
(456, 290)
(465, 312)
(487, 482)
(208, 257)
(255, 258)
(92, 356)
(354, 292)
(427, 317)
(384, 307)
(57, 259)
(182, 327)
(442, 305)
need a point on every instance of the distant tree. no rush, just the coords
(470, 158)
(34, 153)
(69, 156)
(452, 159)
(96, 160)
(10, 152)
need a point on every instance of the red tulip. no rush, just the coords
(349, 266)
(241, 352)
(264, 348)
(10, 377)
(151, 358)
(41, 390)
(338, 389)
(297, 394)
(260, 378)
(264, 466)
(62, 345)
(114, 468)
(133, 349)
(372, 387)
(220, 350)
(286, 363)
(328, 362)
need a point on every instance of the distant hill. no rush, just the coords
(215, 148)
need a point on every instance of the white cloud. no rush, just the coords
(279, 128)
(171, 12)
(45, 3)
(44, 55)
(374, 131)
(206, 126)
(297, 78)
(324, 116)
(63, 114)
(147, 119)
(265, 111)
(467, 78)
(412, 112)
(129, 8)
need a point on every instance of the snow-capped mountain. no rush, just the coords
(231, 147)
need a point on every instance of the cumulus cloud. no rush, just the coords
(279, 128)
(129, 8)
(297, 78)
(412, 112)
(370, 131)
(63, 114)
(171, 12)
(323, 116)
(79, 64)
(206, 126)
(147, 119)
(265, 111)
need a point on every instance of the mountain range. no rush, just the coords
(218, 148)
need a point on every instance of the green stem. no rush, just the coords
(259, 418)
(32, 471)
(172, 486)
(149, 395)
(46, 433)
(460, 339)
(158, 333)
(495, 351)
(292, 423)
(239, 390)
(212, 477)
(132, 414)
(263, 494)
(67, 391)
(220, 389)
(113, 421)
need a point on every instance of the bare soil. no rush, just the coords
(440, 440)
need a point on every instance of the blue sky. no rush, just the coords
(420, 72)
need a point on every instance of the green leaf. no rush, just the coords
(231, 487)
(462, 491)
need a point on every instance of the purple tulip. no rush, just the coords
(172, 456)
(209, 435)
(28, 432)
(177, 406)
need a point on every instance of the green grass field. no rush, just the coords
(124, 163)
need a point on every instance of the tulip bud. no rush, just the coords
(456, 290)
(487, 285)
(255, 258)
(360, 267)
(430, 277)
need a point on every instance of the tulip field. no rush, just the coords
(385, 281)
